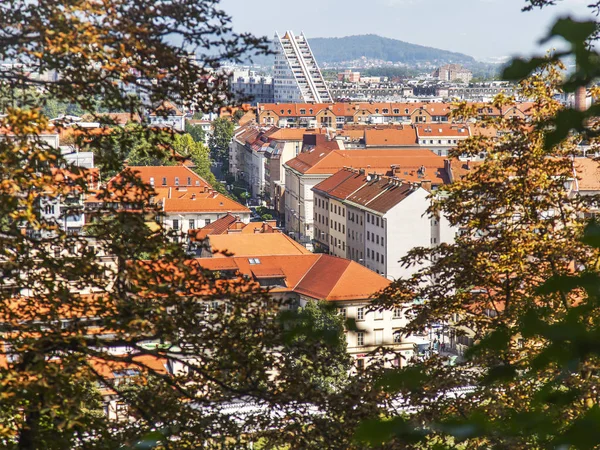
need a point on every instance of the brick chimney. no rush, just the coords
(426, 184)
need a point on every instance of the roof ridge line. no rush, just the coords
(319, 255)
(340, 278)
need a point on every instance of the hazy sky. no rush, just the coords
(480, 28)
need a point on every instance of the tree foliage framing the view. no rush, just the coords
(521, 278)
(76, 308)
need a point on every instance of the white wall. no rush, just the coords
(407, 226)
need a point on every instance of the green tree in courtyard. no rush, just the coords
(220, 138)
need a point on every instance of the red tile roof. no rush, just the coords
(258, 244)
(443, 130)
(397, 136)
(318, 276)
(372, 160)
(377, 193)
(210, 202)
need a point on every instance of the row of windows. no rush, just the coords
(361, 313)
(374, 220)
(377, 337)
(191, 224)
(375, 238)
(352, 217)
(164, 181)
(376, 256)
(440, 141)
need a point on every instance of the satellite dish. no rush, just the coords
(368, 177)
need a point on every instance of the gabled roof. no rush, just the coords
(443, 130)
(397, 136)
(373, 160)
(318, 276)
(256, 244)
(588, 174)
(374, 192)
(210, 202)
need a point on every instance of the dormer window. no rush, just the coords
(396, 111)
(302, 111)
(406, 111)
(376, 110)
(164, 181)
(176, 181)
(386, 111)
(310, 111)
(189, 181)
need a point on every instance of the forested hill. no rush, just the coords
(336, 50)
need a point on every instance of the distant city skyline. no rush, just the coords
(484, 29)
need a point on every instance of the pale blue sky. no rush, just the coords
(480, 28)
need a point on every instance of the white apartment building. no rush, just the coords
(297, 77)
(315, 165)
(375, 220)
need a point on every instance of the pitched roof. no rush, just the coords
(377, 193)
(256, 244)
(588, 174)
(382, 137)
(318, 276)
(443, 130)
(210, 202)
(381, 194)
(408, 161)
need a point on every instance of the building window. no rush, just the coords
(382, 241)
(206, 222)
(360, 364)
(360, 338)
(176, 224)
(343, 312)
(377, 239)
(397, 337)
(189, 181)
(360, 313)
(176, 181)
(379, 336)
(397, 313)
(164, 181)
(192, 227)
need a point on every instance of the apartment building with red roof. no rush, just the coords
(302, 278)
(336, 115)
(373, 219)
(314, 166)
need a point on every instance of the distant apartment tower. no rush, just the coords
(297, 78)
(247, 86)
(451, 72)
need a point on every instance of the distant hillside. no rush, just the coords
(336, 50)
(332, 51)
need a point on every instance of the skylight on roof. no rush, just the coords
(254, 260)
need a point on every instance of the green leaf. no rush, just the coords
(574, 31)
(584, 433)
(499, 374)
(410, 378)
(520, 68)
(379, 431)
(564, 121)
(591, 234)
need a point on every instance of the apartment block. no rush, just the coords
(375, 220)
(315, 165)
(297, 77)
